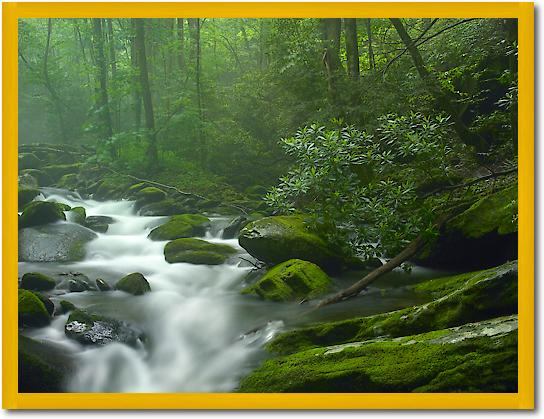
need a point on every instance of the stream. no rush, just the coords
(202, 335)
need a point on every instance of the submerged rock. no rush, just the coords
(41, 212)
(292, 280)
(32, 311)
(37, 282)
(484, 235)
(459, 299)
(232, 230)
(42, 367)
(280, 238)
(93, 329)
(134, 283)
(181, 226)
(196, 251)
(99, 223)
(62, 242)
(78, 285)
(102, 285)
(475, 357)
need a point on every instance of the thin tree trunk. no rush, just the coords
(136, 95)
(371, 60)
(54, 96)
(102, 101)
(113, 65)
(181, 39)
(152, 153)
(331, 42)
(352, 48)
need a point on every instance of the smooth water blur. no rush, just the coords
(201, 334)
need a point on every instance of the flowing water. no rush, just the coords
(201, 334)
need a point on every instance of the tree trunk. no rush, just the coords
(152, 153)
(371, 60)
(445, 99)
(181, 40)
(331, 59)
(55, 99)
(136, 95)
(102, 101)
(352, 48)
(113, 64)
(196, 52)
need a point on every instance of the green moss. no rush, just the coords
(32, 311)
(79, 215)
(134, 283)
(479, 357)
(26, 195)
(57, 171)
(37, 281)
(292, 280)
(181, 226)
(41, 212)
(136, 188)
(460, 299)
(280, 238)
(68, 181)
(496, 212)
(35, 374)
(112, 187)
(66, 306)
(150, 194)
(196, 251)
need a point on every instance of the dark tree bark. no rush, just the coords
(102, 101)
(371, 60)
(181, 40)
(113, 65)
(152, 153)
(55, 98)
(136, 95)
(195, 25)
(352, 48)
(445, 99)
(331, 59)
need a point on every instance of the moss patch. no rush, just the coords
(181, 226)
(37, 281)
(32, 311)
(57, 171)
(292, 280)
(150, 194)
(39, 213)
(197, 251)
(134, 283)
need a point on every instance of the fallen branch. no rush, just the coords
(403, 256)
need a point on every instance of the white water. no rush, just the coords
(193, 319)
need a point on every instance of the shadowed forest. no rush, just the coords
(268, 205)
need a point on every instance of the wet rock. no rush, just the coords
(26, 180)
(134, 283)
(25, 196)
(57, 171)
(42, 178)
(99, 223)
(37, 282)
(41, 212)
(280, 238)
(32, 311)
(233, 229)
(196, 251)
(29, 161)
(66, 306)
(94, 329)
(475, 357)
(165, 207)
(293, 280)
(68, 181)
(150, 194)
(77, 215)
(181, 226)
(78, 285)
(483, 236)
(49, 305)
(102, 285)
(61, 242)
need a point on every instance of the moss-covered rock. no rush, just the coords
(164, 207)
(43, 178)
(110, 187)
(292, 280)
(32, 311)
(181, 226)
(150, 194)
(484, 235)
(57, 171)
(77, 215)
(41, 212)
(26, 180)
(475, 357)
(459, 299)
(26, 195)
(134, 189)
(134, 283)
(94, 329)
(102, 285)
(196, 251)
(280, 238)
(68, 181)
(37, 281)
(99, 223)
(66, 306)
(49, 305)
(29, 161)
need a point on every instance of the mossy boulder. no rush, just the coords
(93, 329)
(137, 187)
(134, 283)
(484, 235)
(41, 212)
(43, 178)
(456, 300)
(26, 195)
(26, 180)
(293, 280)
(42, 367)
(77, 215)
(57, 171)
(196, 251)
(62, 242)
(66, 306)
(475, 357)
(280, 238)
(37, 281)
(164, 207)
(99, 223)
(110, 187)
(68, 181)
(150, 194)
(29, 161)
(181, 226)
(32, 311)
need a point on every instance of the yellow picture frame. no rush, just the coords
(524, 399)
